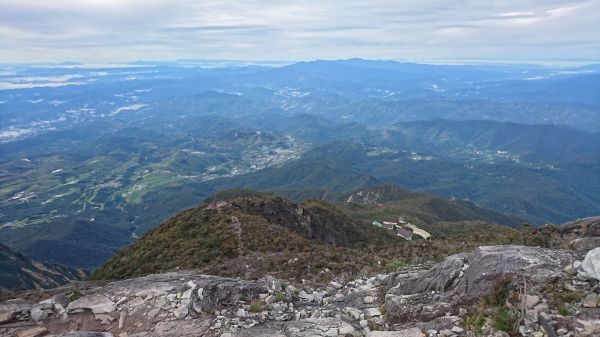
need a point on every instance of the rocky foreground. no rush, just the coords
(493, 291)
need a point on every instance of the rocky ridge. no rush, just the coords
(582, 234)
(492, 291)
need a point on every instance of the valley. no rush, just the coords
(92, 158)
(299, 169)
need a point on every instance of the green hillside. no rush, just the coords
(389, 202)
(20, 272)
(248, 234)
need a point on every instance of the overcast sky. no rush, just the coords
(419, 30)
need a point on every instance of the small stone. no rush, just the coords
(121, 300)
(171, 297)
(561, 331)
(530, 301)
(372, 312)
(532, 314)
(355, 313)
(525, 330)
(307, 297)
(431, 333)
(569, 269)
(46, 305)
(446, 332)
(457, 329)
(6, 316)
(104, 318)
(338, 297)
(590, 300)
(187, 294)
(368, 300)
(364, 323)
(500, 334)
(542, 307)
(462, 312)
(318, 296)
(38, 314)
(134, 303)
(412, 332)
(537, 334)
(32, 332)
(181, 312)
(345, 329)
(336, 285)
(122, 316)
(241, 313)
(98, 304)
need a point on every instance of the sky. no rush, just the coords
(524, 31)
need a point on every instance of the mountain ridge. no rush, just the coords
(244, 232)
(20, 272)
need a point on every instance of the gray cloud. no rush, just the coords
(121, 30)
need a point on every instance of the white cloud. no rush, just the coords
(121, 30)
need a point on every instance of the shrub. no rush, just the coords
(503, 320)
(564, 311)
(474, 322)
(255, 306)
(393, 265)
(499, 293)
(383, 310)
(280, 297)
(571, 296)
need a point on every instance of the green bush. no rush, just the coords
(255, 307)
(503, 320)
(393, 265)
(499, 293)
(564, 311)
(280, 297)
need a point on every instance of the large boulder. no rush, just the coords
(412, 332)
(10, 309)
(585, 244)
(87, 334)
(207, 292)
(96, 303)
(590, 267)
(315, 327)
(488, 264)
(583, 234)
(463, 278)
(581, 227)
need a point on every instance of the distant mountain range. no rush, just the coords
(89, 166)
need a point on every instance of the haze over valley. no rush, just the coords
(94, 156)
(278, 169)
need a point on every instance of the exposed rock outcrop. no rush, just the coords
(590, 267)
(412, 302)
(463, 278)
(583, 234)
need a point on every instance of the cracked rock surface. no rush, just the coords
(411, 302)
